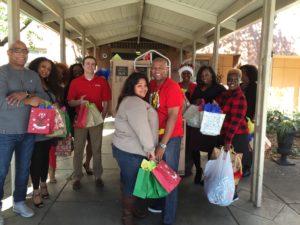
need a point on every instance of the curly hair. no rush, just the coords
(71, 69)
(128, 87)
(52, 80)
(65, 72)
(212, 72)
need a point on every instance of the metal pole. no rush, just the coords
(264, 78)
(83, 45)
(216, 48)
(13, 11)
(181, 55)
(194, 53)
(95, 51)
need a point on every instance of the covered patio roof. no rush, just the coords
(177, 23)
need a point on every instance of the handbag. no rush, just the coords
(218, 180)
(166, 176)
(64, 146)
(41, 120)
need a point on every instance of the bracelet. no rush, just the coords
(162, 145)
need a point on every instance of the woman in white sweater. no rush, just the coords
(135, 137)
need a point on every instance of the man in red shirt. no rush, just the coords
(167, 98)
(88, 88)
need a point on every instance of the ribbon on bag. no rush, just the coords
(166, 176)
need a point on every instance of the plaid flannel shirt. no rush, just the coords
(234, 105)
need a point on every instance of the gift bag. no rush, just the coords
(41, 120)
(211, 123)
(146, 185)
(59, 126)
(64, 146)
(192, 116)
(167, 177)
(236, 160)
(94, 116)
(218, 180)
(81, 117)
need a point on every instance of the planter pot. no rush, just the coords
(285, 143)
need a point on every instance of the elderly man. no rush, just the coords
(167, 98)
(18, 90)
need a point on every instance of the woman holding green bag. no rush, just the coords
(135, 137)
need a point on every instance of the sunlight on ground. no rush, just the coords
(8, 202)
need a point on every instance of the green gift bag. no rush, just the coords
(155, 190)
(141, 183)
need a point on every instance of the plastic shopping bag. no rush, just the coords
(219, 181)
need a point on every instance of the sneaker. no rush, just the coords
(76, 185)
(22, 209)
(154, 209)
(99, 182)
(235, 197)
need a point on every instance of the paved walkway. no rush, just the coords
(93, 206)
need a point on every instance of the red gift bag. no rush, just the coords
(81, 118)
(167, 177)
(40, 121)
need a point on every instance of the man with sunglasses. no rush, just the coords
(19, 90)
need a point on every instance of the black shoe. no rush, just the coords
(235, 197)
(198, 177)
(246, 172)
(87, 169)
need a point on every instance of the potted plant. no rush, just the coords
(285, 127)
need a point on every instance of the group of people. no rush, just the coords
(45, 81)
(148, 123)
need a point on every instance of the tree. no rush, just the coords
(24, 23)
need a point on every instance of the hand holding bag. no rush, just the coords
(218, 180)
(81, 117)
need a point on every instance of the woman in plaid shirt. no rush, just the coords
(234, 104)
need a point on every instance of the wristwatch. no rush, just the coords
(162, 145)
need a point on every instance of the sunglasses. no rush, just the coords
(19, 50)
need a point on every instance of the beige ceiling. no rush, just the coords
(176, 23)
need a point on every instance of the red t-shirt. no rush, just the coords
(170, 95)
(96, 90)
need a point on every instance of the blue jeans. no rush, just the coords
(129, 165)
(169, 203)
(22, 145)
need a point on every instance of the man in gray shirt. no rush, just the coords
(19, 90)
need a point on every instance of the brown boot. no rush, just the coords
(127, 210)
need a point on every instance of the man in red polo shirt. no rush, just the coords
(91, 88)
(167, 98)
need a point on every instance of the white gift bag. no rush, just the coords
(211, 123)
(219, 181)
(192, 116)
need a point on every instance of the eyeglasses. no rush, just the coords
(19, 50)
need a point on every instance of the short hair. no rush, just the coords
(235, 71)
(250, 71)
(88, 57)
(212, 72)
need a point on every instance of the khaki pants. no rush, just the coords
(80, 138)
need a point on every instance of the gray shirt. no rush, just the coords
(14, 119)
(136, 126)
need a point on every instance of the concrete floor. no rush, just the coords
(91, 205)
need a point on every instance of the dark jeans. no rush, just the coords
(129, 165)
(22, 145)
(169, 203)
(40, 162)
